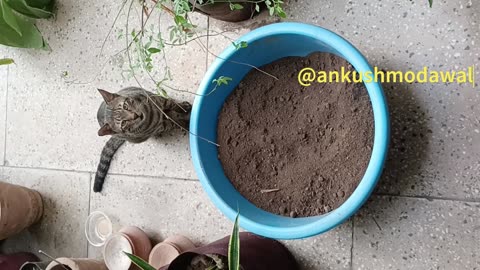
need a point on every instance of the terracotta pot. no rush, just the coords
(256, 253)
(165, 252)
(141, 244)
(223, 12)
(77, 264)
(181, 242)
(15, 261)
(20, 207)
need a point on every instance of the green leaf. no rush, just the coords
(257, 7)
(234, 247)
(139, 262)
(38, 9)
(243, 44)
(222, 80)
(271, 11)
(6, 61)
(281, 13)
(154, 50)
(30, 37)
(430, 2)
(163, 93)
(240, 45)
(235, 6)
(38, 3)
(9, 16)
(180, 20)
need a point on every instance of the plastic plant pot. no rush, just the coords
(265, 45)
(98, 228)
(113, 252)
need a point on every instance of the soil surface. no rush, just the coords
(292, 150)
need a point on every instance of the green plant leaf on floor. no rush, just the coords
(153, 50)
(30, 37)
(6, 61)
(139, 262)
(9, 17)
(235, 6)
(430, 2)
(38, 9)
(234, 247)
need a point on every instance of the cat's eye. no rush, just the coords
(125, 105)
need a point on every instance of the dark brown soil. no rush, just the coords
(292, 150)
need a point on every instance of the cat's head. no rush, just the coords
(120, 115)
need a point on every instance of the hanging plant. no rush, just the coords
(17, 22)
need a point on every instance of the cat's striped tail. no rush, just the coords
(108, 152)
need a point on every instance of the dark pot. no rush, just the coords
(222, 11)
(256, 253)
(15, 261)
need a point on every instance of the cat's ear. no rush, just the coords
(107, 96)
(105, 130)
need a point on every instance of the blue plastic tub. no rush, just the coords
(265, 45)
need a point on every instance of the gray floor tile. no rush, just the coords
(331, 250)
(52, 122)
(61, 230)
(52, 118)
(168, 155)
(164, 207)
(407, 233)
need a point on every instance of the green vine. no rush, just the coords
(148, 45)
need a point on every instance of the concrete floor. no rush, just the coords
(425, 213)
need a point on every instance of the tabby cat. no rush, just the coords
(133, 114)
